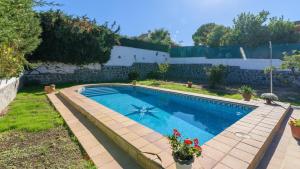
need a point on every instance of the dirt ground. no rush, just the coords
(52, 148)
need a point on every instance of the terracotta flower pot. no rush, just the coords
(49, 89)
(268, 101)
(189, 84)
(247, 96)
(295, 131)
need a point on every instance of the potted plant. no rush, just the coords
(189, 84)
(295, 127)
(184, 152)
(269, 97)
(247, 92)
(134, 82)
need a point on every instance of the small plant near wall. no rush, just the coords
(216, 75)
(247, 92)
(184, 152)
(163, 69)
(295, 127)
(133, 75)
(269, 97)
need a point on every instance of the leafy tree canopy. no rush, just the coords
(74, 40)
(201, 35)
(291, 62)
(19, 35)
(158, 36)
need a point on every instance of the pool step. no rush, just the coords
(101, 150)
(89, 92)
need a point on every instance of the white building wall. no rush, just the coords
(126, 56)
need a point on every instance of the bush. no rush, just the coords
(134, 75)
(74, 40)
(19, 35)
(153, 75)
(163, 69)
(247, 90)
(216, 75)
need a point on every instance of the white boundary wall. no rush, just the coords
(126, 56)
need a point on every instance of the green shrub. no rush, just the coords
(216, 75)
(133, 75)
(74, 40)
(153, 75)
(163, 69)
(247, 90)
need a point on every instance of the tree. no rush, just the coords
(19, 34)
(74, 40)
(282, 31)
(249, 30)
(291, 62)
(158, 36)
(216, 75)
(216, 37)
(201, 35)
(163, 69)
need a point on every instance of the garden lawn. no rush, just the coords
(33, 135)
(194, 89)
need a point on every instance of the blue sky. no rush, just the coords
(180, 17)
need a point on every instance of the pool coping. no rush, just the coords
(151, 149)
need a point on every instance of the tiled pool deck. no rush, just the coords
(242, 145)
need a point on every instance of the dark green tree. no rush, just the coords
(217, 36)
(282, 31)
(158, 36)
(249, 30)
(74, 40)
(201, 35)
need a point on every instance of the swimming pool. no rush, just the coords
(162, 111)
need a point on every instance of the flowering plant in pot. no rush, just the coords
(269, 97)
(295, 127)
(247, 92)
(184, 151)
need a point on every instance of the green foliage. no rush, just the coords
(158, 36)
(216, 75)
(153, 75)
(246, 90)
(249, 29)
(133, 75)
(291, 62)
(295, 122)
(217, 36)
(163, 69)
(136, 43)
(282, 31)
(19, 34)
(268, 69)
(75, 40)
(269, 96)
(201, 35)
(11, 62)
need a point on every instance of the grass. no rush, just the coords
(33, 135)
(182, 87)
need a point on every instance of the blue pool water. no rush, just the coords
(194, 117)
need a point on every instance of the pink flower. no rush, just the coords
(196, 142)
(188, 142)
(176, 133)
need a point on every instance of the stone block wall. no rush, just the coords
(177, 72)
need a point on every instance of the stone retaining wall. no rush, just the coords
(8, 92)
(177, 72)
